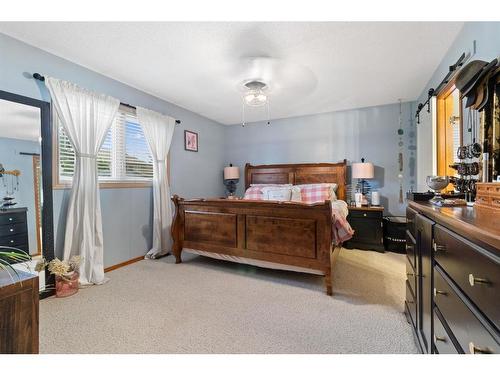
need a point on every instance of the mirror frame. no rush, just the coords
(46, 163)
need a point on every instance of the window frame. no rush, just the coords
(60, 184)
(442, 122)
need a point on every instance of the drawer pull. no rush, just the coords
(409, 247)
(11, 230)
(475, 280)
(473, 349)
(10, 219)
(11, 241)
(437, 247)
(442, 292)
(438, 338)
(364, 215)
(409, 274)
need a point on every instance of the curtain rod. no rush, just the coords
(434, 92)
(39, 77)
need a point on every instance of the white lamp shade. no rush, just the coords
(231, 173)
(362, 170)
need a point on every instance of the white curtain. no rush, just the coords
(159, 130)
(86, 117)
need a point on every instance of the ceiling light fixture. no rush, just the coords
(255, 95)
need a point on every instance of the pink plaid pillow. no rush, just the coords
(254, 193)
(315, 193)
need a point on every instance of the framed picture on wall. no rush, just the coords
(190, 141)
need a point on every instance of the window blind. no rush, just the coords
(124, 154)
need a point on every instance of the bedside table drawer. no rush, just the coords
(365, 214)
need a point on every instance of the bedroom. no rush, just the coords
(249, 187)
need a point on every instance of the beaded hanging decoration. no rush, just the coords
(400, 154)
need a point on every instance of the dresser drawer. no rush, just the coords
(19, 241)
(410, 248)
(476, 271)
(443, 343)
(410, 220)
(12, 218)
(13, 229)
(410, 276)
(472, 336)
(411, 304)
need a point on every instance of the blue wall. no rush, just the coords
(487, 37)
(330, 137)
(25, 196)
(126, 212)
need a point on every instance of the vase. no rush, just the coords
(67, 285)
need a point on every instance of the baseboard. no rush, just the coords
(123, 264)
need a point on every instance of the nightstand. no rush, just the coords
(368, 226)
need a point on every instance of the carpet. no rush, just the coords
(211, 306)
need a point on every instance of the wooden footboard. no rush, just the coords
(287, 233)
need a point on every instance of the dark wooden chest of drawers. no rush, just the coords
(14, 228)
(368, 226)
(453, 302)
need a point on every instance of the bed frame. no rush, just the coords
(282, 233)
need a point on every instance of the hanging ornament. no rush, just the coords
(400, 154)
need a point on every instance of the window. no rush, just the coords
(124, 156)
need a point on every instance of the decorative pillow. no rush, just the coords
(254, 193)
(312, 193)
(277, 193)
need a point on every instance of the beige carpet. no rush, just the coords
(211, 306)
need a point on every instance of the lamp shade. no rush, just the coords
(362, 170)
(231, 173)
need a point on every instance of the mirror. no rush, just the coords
(25, 178)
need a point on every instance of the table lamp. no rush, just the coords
(231, 178)
(363, 171)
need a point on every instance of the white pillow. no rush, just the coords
(296, 195)
(275, 193)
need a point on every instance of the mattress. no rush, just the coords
(254, 262)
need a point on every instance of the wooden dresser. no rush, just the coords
(19, 314)
(453, 278)
(14, 228)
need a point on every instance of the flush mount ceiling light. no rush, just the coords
(255, 94)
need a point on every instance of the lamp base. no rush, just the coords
(230, 187)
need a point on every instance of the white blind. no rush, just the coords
(124, 155)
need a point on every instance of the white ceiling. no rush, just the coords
(19, 121)
(311, 67)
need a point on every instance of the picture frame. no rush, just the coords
(190, 141)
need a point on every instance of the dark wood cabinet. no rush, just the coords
(456, 290)
(14, 228)
(19, 314)
(423, 233)
(368, 226)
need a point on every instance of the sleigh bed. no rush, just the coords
(283, 235)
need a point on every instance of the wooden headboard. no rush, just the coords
(298, 174)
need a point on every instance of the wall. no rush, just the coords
(25, 196)
(330, 137)
(487, 37)
(126, 212)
